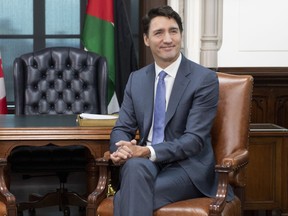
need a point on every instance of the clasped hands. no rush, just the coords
(127, 150)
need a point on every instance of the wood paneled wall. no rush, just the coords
(270, 94)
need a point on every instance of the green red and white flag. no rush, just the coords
(98, 36)
(3, 103)
(103, 33)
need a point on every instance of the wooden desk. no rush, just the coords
(61, 130)
(267, 171)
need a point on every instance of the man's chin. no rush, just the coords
(170, 57)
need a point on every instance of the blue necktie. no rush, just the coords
(159, 110)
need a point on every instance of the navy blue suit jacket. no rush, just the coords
(189, 118)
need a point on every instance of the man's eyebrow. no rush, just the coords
(174, 28)
(157, 30)
(162, 29)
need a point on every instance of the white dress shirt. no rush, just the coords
(171, 71)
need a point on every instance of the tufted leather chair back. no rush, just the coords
(60, 80)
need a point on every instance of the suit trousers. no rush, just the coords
(146, 186)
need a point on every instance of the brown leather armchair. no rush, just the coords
(230, 142)
(57, 81)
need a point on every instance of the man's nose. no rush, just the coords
(167, 38)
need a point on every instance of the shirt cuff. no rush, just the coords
(152, 154)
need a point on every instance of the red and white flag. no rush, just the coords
(3, 103)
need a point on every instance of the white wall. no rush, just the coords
(255, 34)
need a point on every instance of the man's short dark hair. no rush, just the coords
(165, 11)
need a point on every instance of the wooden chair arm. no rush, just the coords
(106, 156)
(230, 168)
(100, 192)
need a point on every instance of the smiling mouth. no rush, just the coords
(170, 47)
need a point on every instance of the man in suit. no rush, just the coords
(181, 165)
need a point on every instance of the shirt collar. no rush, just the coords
(171, 70)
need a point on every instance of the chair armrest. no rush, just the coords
(7, 199)
(229, 172)
(236, 160)
(100, 192)
(237, 163)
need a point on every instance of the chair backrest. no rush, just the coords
(231, 126)
(60, 80)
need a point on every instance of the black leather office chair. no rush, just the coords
(57, 81)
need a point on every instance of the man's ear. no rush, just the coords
(146, 40)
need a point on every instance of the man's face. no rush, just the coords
(164, 39)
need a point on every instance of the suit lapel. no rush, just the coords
(180, 84)
(148, 98)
